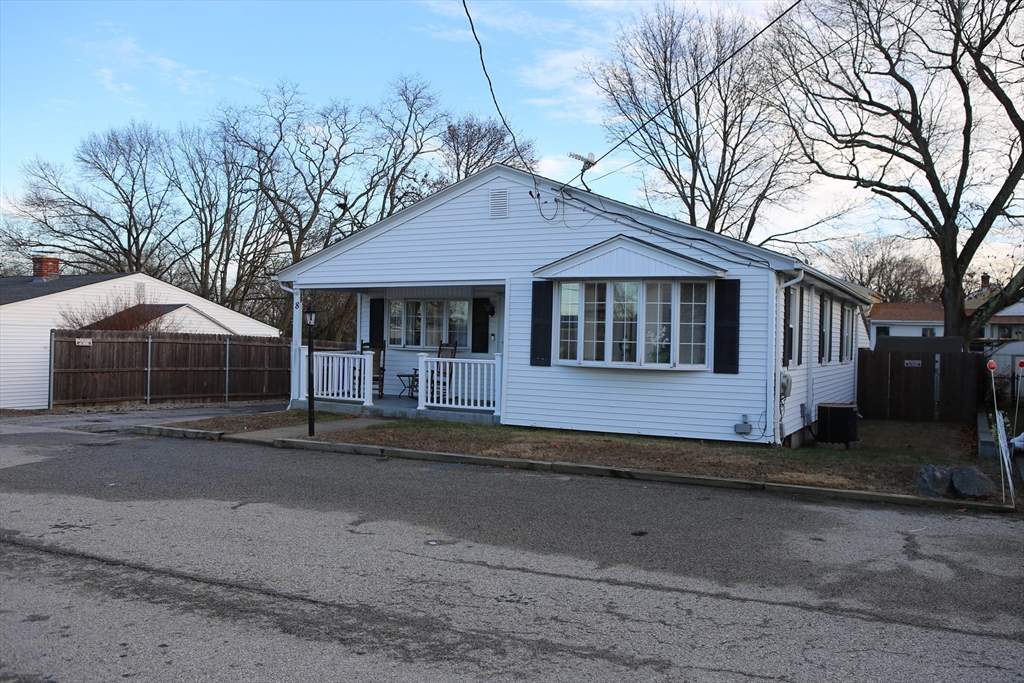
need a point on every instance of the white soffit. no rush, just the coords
(626, 257)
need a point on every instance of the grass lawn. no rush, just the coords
(887, 459)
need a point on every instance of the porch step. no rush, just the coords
(401, 408)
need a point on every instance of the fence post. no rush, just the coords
(227, 368)
(149, 365)
(49, 400)
(421, 358)
(368, 378)
(497, 385)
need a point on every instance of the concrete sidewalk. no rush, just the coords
(301, 431)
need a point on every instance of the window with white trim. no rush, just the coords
(658, 323)
(846, 342)
(426, 323)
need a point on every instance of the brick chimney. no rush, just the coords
(45, 266)
(984, 279)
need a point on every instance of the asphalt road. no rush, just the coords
(172, 560)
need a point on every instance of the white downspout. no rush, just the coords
(776, 363)
(812, 358)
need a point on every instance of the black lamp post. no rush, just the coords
(310, 317)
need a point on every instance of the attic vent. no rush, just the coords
(499, 203)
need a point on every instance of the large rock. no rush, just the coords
(934, 481)
(970, 482)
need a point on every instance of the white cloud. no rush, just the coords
(574, 98)
(121, 63)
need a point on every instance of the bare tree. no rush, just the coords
(699, 117)
(300, 155)
(470, 144)
(230, 240)
(407, 127)
(883, 265)
(919, 101)
(114, 213)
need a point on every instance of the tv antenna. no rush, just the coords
(588, 163)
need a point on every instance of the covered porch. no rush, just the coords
(396, 369)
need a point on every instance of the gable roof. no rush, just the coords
(624, 256)
(139, 314)
(618, 212)
(22, 288)
(907, 312)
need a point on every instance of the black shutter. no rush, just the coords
(800, 331)
(821, 329)
(481, 326)
(540, 327)
(727, 326)
(377, 323)
(829, 341)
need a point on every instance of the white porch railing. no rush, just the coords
(460, 383)
(339, 376)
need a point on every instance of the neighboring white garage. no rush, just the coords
(31, 306)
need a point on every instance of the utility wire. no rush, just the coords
(494, 98)
(644, 157)
(699, 80)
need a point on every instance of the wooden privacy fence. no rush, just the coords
(919, 386)
(89, 367)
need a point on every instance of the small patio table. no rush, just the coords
(408, 381)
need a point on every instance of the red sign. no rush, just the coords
(992, 365)
(1020, 364)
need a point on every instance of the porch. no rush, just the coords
(451, 389)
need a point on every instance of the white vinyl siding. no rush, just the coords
(446, 244)
(25, 330)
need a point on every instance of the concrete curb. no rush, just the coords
(178, 433)
(587, 470)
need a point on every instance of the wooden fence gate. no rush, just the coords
(91, 366)
(920, 386)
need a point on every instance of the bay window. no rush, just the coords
(634, 322)
(415, 323)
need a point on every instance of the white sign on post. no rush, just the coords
(79, 341)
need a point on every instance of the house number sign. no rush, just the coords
(83, 342)
(911, 363)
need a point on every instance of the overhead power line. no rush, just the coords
(710, 73)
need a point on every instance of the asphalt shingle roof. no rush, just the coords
(916, 312)
(14, 289)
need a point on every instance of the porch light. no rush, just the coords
(310, 318)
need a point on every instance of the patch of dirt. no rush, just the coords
(238, 424)
(888, 458)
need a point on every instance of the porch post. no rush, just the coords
(497, 385)
(298, 361)
(368, 378)
(421, 396)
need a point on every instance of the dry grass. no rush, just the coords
(888, 458)
(236, 424)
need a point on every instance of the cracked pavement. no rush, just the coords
(172, 560)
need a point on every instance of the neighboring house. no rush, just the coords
(1007, 324)
(162, 317)
(906, 320)
(31, 306)
(592, 314)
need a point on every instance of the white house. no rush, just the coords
(906, 320)
(31, 306)
(1007, 323)
(575, 311)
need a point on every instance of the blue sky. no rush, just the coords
(68, 69)
(73, 68)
